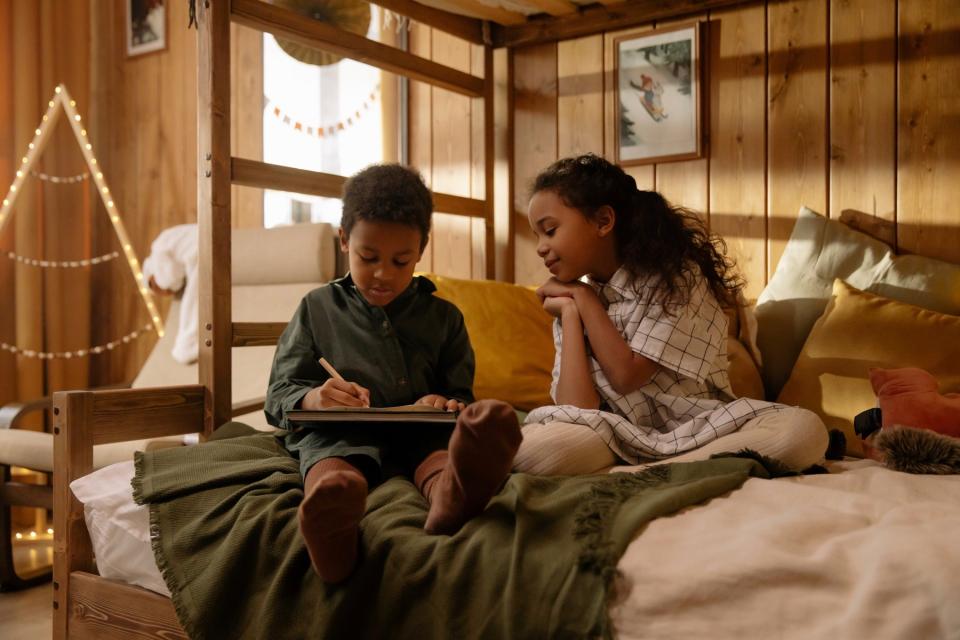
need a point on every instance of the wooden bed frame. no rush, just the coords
(84, 604)
(89, 606)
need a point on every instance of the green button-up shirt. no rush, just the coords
(414, 346)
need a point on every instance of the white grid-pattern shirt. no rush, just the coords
(688, 402)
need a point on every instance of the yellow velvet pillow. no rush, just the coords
(859, 330)
(512, 337)
(744, 375)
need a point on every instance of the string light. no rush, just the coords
(80, 177)
(78, 353)
(325, 130)
(34, 536)
(107, 257)
(73, 118)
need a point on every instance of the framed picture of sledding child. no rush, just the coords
(658, 98)
(146, 26)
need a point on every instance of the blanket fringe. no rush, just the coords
(163, 564)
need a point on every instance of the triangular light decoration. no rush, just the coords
(62, 103)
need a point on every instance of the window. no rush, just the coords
(322, 118)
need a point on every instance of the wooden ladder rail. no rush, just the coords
(218, 169)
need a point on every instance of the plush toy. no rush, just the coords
(916, 429)
(910, 397)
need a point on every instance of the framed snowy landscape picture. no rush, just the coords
(658, 95)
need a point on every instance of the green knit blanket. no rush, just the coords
(540, 561)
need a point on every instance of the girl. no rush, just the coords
(641, 367)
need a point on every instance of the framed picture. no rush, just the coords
(146, 26)
(658, 95)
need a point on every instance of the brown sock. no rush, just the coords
(429, 470)
(481, 453)
(335, 497)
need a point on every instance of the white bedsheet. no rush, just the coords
(863, 552)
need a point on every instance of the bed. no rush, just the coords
(811, 556)
(864, 552)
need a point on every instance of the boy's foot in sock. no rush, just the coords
(481, 452)
(333, 505)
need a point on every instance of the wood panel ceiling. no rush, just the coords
(508, 23)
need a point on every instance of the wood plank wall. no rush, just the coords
(153, 173)
(43, 309)
(8, 162)
(846, 105)
(446, 145)
(141, 117)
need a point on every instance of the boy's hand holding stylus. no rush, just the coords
(335, 392)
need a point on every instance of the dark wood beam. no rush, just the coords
(21, 494)
(597, 18)
(320, 35)
(253, 173)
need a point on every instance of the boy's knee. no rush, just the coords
(490, 420)
(489, 414)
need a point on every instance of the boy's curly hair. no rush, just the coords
(388, 193)
(652, 236)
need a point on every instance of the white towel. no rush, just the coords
(173, 265)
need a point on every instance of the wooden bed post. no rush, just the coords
(489, 167)
(215, 334)
(72, 458)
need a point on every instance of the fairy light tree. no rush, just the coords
(62, 105)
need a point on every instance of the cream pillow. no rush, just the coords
(820, 250)
(859, 330)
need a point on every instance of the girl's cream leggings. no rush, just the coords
(796, 437)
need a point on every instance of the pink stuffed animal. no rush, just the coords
(910, 398)
(920, 427)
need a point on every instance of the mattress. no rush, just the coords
(862, 552)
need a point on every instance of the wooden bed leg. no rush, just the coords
(72, 458)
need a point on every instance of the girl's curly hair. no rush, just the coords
(652, 236)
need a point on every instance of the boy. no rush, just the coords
(394, 343)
